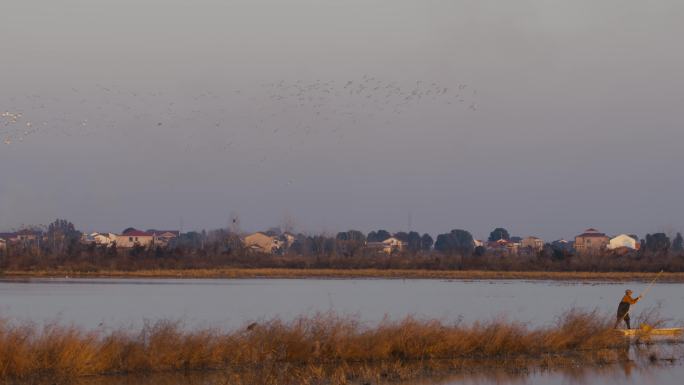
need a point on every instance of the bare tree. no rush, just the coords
(234, 225)
(288, 223)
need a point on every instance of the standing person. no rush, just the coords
(623, 308)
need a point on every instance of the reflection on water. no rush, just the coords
(643, 364)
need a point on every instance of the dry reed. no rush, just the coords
(53, 351)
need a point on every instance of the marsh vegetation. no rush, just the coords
(315, 349)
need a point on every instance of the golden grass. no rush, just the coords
(327, 344)
(351, 273)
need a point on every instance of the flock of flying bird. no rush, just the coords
(294, 108)
(13, 118)
(367, 101)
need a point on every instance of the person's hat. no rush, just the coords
(628, 291)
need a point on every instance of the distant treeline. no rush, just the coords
(61, 248)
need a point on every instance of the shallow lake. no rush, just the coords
(230, 303)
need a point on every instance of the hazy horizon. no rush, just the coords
(543, 117)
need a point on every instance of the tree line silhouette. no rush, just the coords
(60, 246)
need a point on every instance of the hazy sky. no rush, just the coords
(557, 115)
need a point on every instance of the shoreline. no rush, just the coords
(286, 273)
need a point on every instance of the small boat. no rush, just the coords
(643, 331)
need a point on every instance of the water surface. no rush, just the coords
(637, 369)
(231, 303)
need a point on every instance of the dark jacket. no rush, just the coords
(625, 303)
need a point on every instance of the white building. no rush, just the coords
(389, 245)
(623, 240)
(103, 239)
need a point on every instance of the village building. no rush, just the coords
(288, 238)
(28, 236)
(3, 244)
(105, 239)
(264, 243)
(624, 241)
(133, 237)
(394, 244)
(87, 238)
(389, 245)
(8, 237)
(24, 237)
(163, 237)
(591, 241)
(503, 246)
(562, 245)
(532, 243)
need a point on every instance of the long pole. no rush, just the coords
(643, 293)
(648, 288)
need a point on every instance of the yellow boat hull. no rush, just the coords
(651, 332)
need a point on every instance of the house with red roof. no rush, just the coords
(591, 241)
(133, 237)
